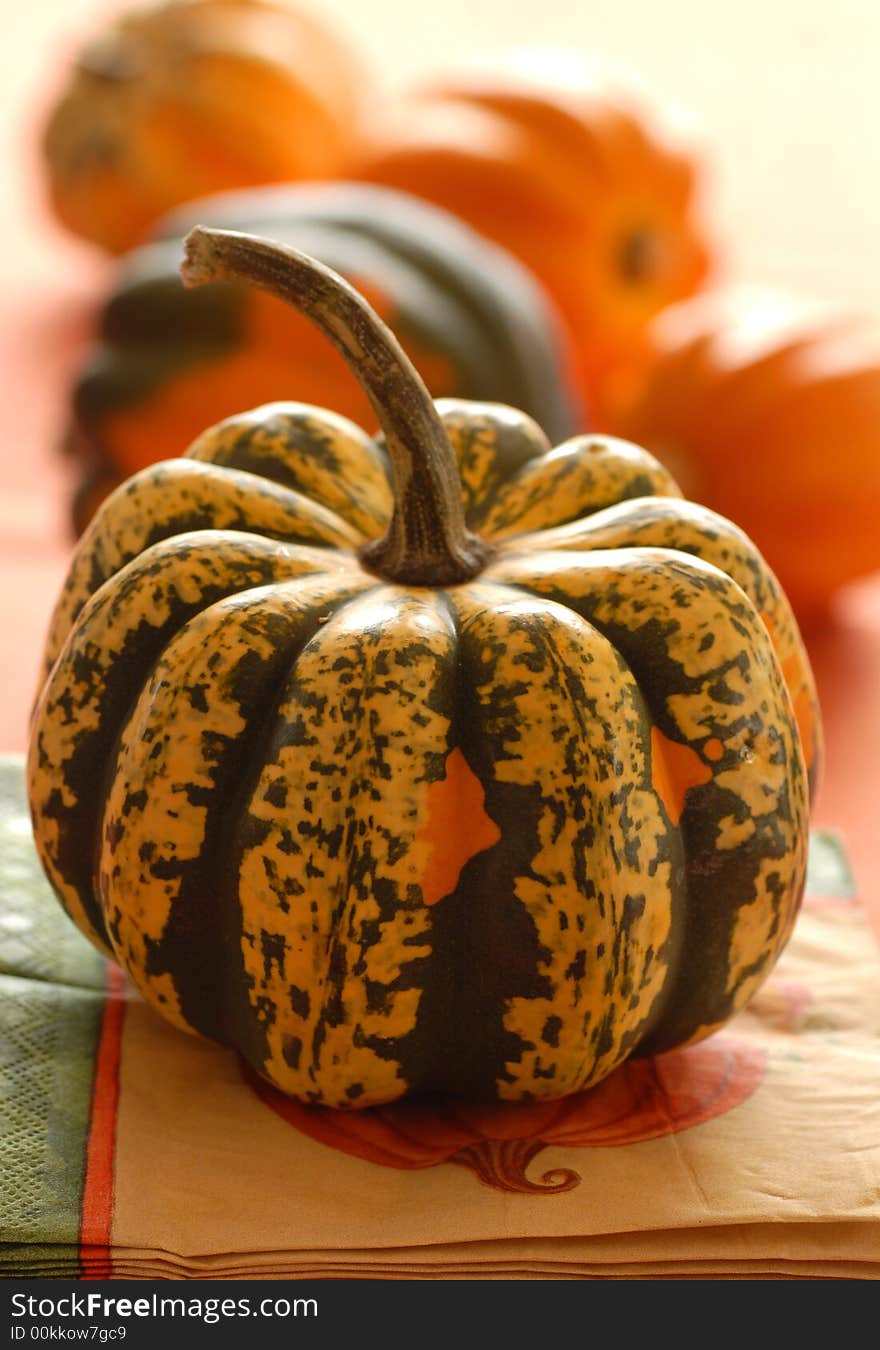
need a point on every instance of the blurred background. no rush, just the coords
(769, 111)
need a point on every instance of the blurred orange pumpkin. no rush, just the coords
(185, 97)
(579, 179)
(766, 407)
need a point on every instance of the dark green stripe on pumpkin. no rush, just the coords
(485, 948)
(453, 292)
(149, 331)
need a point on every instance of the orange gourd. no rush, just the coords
(178, 99)
(766, 407)
(580, 180)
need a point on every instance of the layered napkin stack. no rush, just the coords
(130, 1150)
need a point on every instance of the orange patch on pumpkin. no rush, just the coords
(456, 827)
(713, 749)
(675, 769)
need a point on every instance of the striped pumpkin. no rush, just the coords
(438, 762)
(166, 361)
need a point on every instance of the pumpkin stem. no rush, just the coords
(427, 542)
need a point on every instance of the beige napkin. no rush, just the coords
(754, 1154)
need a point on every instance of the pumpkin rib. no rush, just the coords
(676, 602)
(216, 112)
(178, 496)
(691, 528)
(232, 664)
(315, 453)
(556, 730)
(86, 694)
(580, 476)
(491, 443)
(364, 708)
(554, 145)
(585, 119)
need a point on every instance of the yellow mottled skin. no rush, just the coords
(357, 489)
(338, 773)
(658, 522)
(181, 490)
(732, 832)
(581, 475)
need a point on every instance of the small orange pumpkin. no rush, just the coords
(578, 179)
(766, 408)
(185, 97)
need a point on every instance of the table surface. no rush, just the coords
(786, 101)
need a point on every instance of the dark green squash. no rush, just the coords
(439, 762)
(168, 362)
